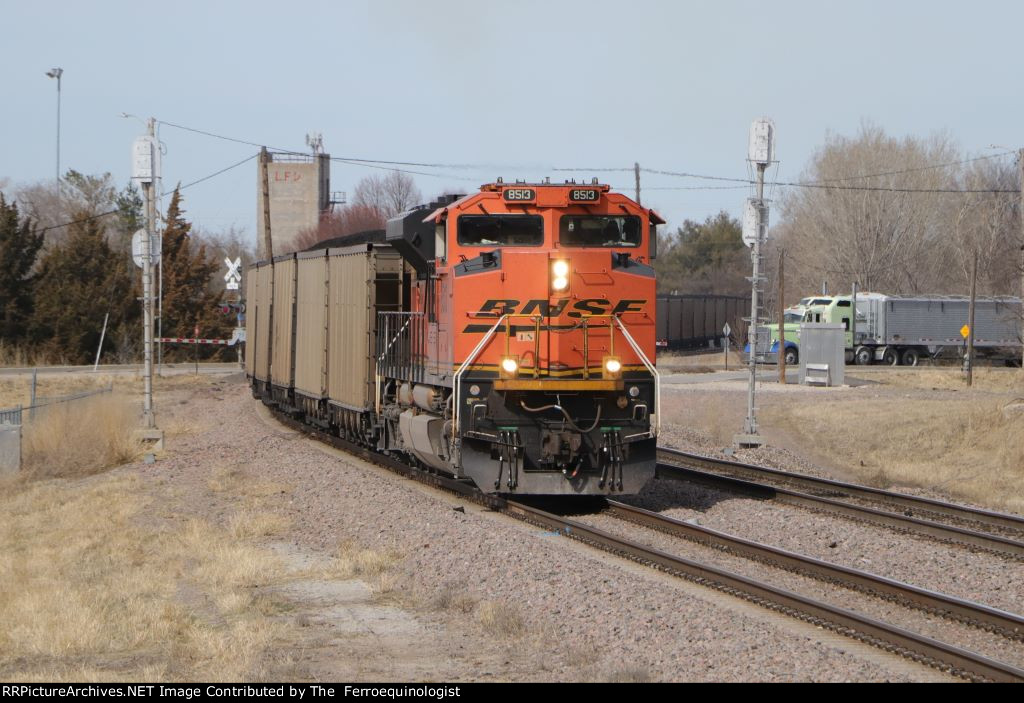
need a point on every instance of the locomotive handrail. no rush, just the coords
(386, 316)
(650, 367)
(457, 378)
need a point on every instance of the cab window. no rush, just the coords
(500, 230)
(599, 231)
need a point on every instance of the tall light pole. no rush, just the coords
(57, 73)
(760, 153)
(146, 172)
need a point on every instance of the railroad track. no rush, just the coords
(944, 656)
(984, 530)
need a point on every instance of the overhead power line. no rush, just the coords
(353, 160)
(392, 165)
(115, 211)
(917, 169)
(828, 186)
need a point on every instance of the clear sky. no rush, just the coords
(518, 87)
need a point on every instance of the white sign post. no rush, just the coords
(725, 343)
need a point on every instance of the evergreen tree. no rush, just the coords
(19, 244)
(189, 299)
(705, 257)
(80, 280)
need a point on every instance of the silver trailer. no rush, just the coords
(896, 329)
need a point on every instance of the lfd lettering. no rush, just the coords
(544, 308)
(292, 176)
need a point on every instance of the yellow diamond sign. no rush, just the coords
(964, 331)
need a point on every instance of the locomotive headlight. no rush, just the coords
(560, 275)
(509, 367)
(612, 366)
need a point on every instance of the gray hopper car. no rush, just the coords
(695, 321)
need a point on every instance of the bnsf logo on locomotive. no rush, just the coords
(520, 194)
(587, 306)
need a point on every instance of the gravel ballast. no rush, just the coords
(585, 615)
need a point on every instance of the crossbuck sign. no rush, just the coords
(233, 276)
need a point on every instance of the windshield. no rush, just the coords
(599, 231)
(501, 230)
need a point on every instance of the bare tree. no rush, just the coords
(858, 224)
(350, 219)
(989, 224)
(390, 194)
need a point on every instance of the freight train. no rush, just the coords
(506, 337)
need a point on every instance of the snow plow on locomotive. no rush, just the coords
(507, 337)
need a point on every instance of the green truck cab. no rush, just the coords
(821, 308)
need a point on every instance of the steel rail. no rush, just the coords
(919, 647)
(1007, 624)
(958, 661)
(983, 541)
(989, 518)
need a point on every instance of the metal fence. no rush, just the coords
(10, 416)
(15, 415)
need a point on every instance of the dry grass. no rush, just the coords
(352, 562)
(81, 437)
(704, 362)
(969, 448)
(452, 598)
(235, 480)
(88, 593)
(253, 522)
(948, 378)
(634, 674)
(718, 416)
(17, 390)
(500, 619)
(19, 357)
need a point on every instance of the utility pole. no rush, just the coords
(636, 175)
(268, 246)
(146, 170)
(782, 319)
(755, 223)
(147, 282)
(853, 321)
(970, 322)
(57, 73)
(1020, 168)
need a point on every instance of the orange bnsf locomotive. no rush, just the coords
(507, 337)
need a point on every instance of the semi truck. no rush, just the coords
(904, 329)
